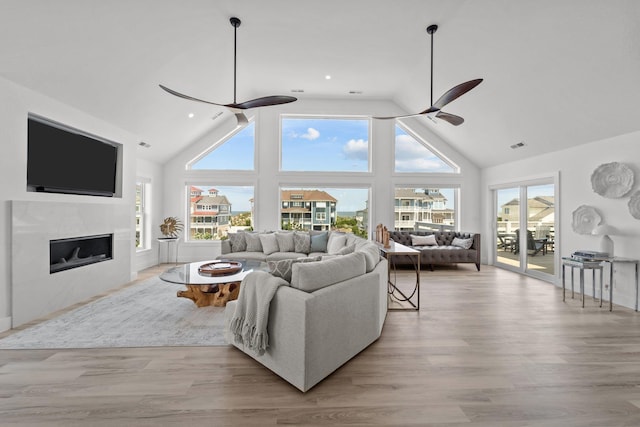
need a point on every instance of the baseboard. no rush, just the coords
(5, 324)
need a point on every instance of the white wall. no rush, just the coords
(575, 167)
(16, 103)
(267, 179)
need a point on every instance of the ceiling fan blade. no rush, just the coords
(190, 98)
(453, 93)
(263, 102)
(451, 118)
(395, 117)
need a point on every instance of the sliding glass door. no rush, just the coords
(507, 225)
(525, 225)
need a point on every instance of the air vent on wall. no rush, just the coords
(297, 90)
(144, 144)
(518, 145)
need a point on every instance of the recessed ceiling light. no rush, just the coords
(191, 115)
(328, 77)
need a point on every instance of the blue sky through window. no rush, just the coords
(236, 153)
(413, 156)
(327, 145)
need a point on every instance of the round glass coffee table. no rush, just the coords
(205, 289)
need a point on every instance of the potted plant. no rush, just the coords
(171, 227)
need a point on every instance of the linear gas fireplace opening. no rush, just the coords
(79, 251)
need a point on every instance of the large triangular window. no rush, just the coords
(414, 155)
(234, 152)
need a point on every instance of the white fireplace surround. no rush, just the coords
(34, 291)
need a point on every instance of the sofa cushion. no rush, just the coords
(336, 242)
(371, 253)
(316, 275)
(237, 241)
(277, 256)
(269, 243)
(428, 240)
(319, 242)
(302, 242)
(462, 243)
(237, 256)
(253, 242)
(285, 241)
(283, 267)
(346, 250)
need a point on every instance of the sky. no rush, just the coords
(325, 145)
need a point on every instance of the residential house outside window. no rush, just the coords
(423, 209)
(215, 211)
(323, 208)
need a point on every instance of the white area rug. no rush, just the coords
(144, 315)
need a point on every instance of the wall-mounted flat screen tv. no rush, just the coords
(64, 160)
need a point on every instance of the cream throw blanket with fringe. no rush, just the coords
(249, 321)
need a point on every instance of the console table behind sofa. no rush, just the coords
(444, 253)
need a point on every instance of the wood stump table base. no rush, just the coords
(216, 295)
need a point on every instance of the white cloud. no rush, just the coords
(357, 149)
(311, 134)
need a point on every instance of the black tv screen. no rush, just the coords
(61, 160)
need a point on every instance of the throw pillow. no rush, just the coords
(319, 242)
(336, 242)
(302, 242)
(283, 268)
(238, 241)
(462, 243)
(347, 250)
(269, 243)
(429, 240)
(285, 241)
(253, 242)
(313, 276)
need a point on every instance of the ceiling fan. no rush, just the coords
(238, 107)
(452, 94)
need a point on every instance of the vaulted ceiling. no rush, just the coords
(557, 73)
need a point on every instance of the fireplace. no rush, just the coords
(65, 254)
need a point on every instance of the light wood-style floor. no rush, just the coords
(489, 348)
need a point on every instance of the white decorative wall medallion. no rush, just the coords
(585, 219)
(612, 180)
(634, 205)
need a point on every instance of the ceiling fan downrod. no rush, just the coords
(432, 29)
(235, 22)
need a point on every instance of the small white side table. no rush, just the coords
(168, 241)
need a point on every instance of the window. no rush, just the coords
(235, 152)
(215, 211)
(414, 155)
(142, 214)
(325, 144)
(425, 208)
(343, 209)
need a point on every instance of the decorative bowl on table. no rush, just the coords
(220, 268)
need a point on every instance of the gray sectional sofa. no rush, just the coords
(445, 247)
(331, 310)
